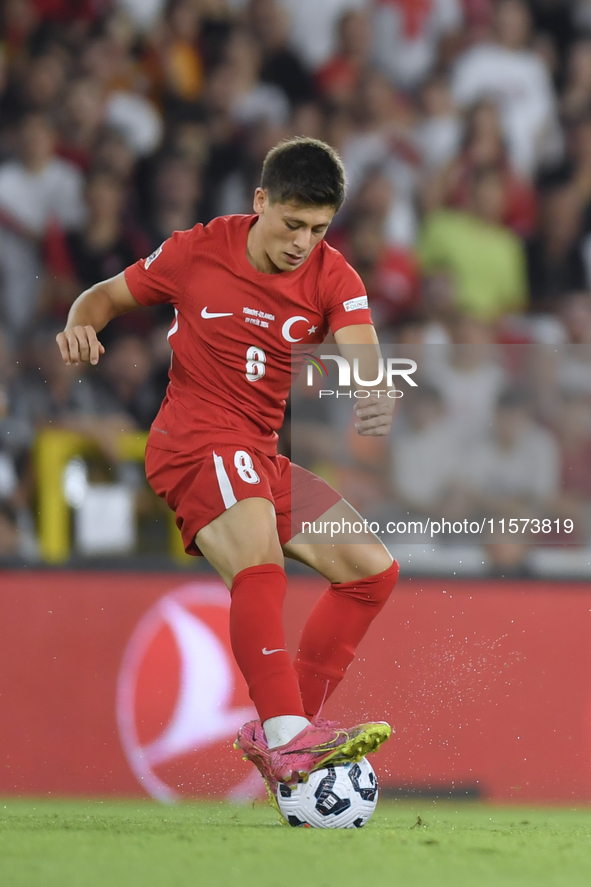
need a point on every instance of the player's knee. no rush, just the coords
(374, 589)
(381, 585)
(373, 561)
(382, 561)
(385, 582)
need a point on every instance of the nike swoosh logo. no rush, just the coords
(268, 652)
(207, 315)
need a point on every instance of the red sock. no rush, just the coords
(333, 631)
(256, 626)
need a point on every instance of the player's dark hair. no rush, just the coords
(304, 171)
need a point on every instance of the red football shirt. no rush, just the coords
(231, 368)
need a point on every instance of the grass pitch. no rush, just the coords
(423, 843)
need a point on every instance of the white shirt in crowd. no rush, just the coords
(518, 81)
(438, 139)
(314, 26)
(31, 199)
(265, 103)
(143, 13)
(406, 47)
(426, 463)
(137, 119)
(470, 395)
(530, 468)
(366, 150)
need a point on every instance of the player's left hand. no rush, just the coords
(373, 415)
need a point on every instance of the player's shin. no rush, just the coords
(258, 641)
(334, 629)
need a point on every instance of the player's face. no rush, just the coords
(286, 232)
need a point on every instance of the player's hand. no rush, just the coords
(374, 416)
(79, 343)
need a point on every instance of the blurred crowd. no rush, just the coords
(495, 435)
(464, 126)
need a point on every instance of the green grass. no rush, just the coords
(138, 844)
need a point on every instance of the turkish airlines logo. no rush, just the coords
(181, 699)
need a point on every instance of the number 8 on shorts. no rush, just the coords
(245, 468)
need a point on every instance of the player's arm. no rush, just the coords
(374, 414)
(92, 310)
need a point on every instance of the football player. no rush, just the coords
(245, 288)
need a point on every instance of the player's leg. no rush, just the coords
(219, 516)
(223, 504)
(243, 546)
(362, 575)
(241, 537)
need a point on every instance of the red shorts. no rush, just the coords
(199, 487)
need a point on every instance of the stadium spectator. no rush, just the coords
(468, 374)
(17, 534)
(427, 457)
(576, 96)
(438, 307)
(106, 244)
(517, 79)
(108, 61)
(103, 247)
(53, 395)
(175, 197)
(390, 273)
(9, 533)
(484, 148)
(39, 89)
(16, 436)
(181, 73)
(515, 470)
(555, 257)
(281, 66)
(124, 381)
(486, 259)
(339, 78)
(407, 37)
(252, 100)
(313, 27)
(573, 428)
(378, 196)
(573, 367)
(575, 314)
(563, 368)
(112, 154)
(145, 14)
(382, 135)
(577, 169)
(35, 188)
(439, 131)
(81, 121)
(121, 121)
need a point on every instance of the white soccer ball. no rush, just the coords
(343, 796)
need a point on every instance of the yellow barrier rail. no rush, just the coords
(53, 451)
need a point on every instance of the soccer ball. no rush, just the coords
(342, 796)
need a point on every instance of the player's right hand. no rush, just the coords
(79, 343)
